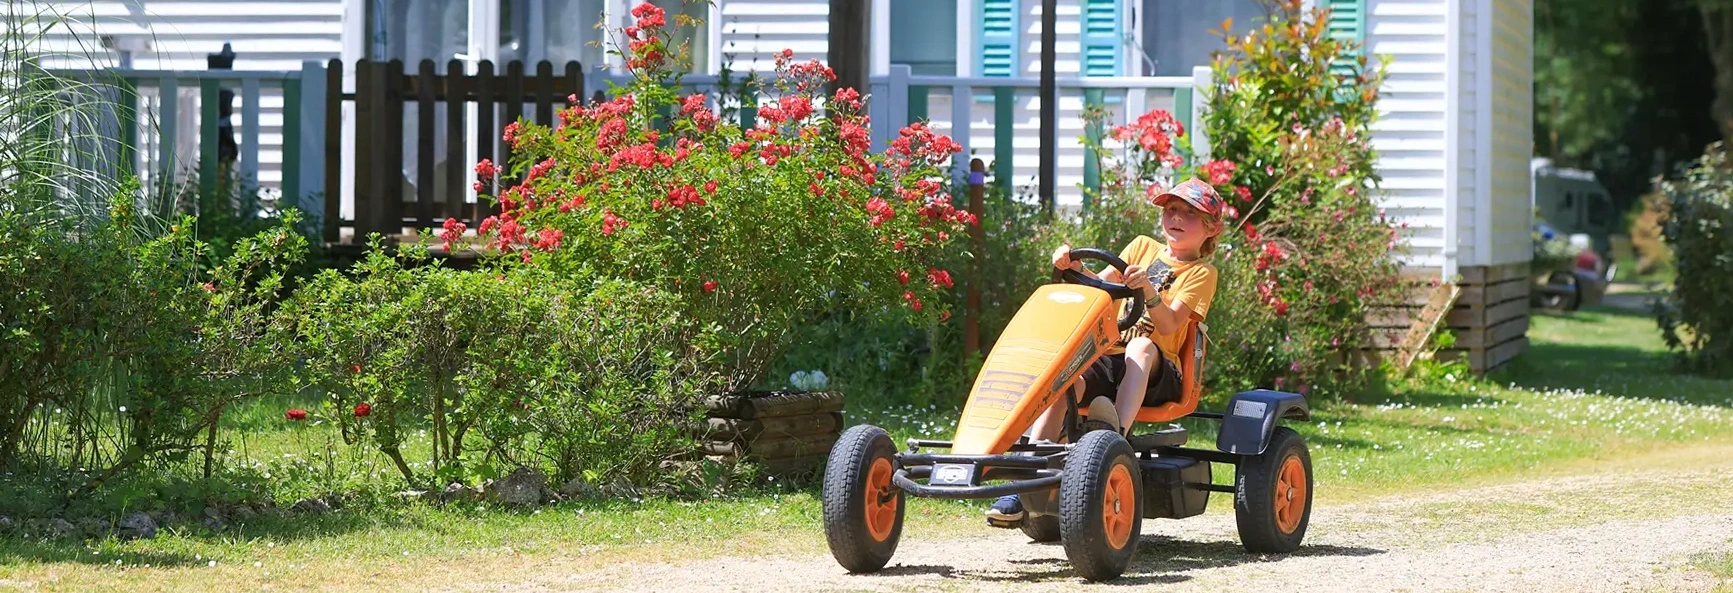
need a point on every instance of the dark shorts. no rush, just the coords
(1102, 380)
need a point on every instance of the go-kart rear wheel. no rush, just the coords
(1273, 495)
(1100, 511)
(1044, 528)
(863, 511)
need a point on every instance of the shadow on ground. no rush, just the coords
(1160, 560)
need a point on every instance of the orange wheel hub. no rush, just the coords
(1290, 494)
(881, 503)
(1119, 506)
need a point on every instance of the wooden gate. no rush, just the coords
(382, 90)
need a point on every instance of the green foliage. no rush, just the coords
(1696, 317)
(1306, 254)
(506, 367)
(121, 349)
(1585, 67)
(757, 230)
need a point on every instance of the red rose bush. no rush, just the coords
(754, 227)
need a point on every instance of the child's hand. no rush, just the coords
(1137, 278)
(1062, 258)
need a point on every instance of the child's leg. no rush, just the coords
(1139, 362)
(1047, 425)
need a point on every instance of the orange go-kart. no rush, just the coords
(1093, 492)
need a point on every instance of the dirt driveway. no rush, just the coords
(1623, 527)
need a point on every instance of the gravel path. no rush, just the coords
(1618, 531)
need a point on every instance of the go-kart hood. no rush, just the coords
(1060, 331)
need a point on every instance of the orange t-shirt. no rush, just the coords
(1193, 283)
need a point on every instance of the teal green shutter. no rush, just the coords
(1102, 55)
(996, 43)
(1348, 23)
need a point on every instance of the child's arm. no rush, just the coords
(1167, 316)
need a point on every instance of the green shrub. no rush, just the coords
(1654, 259)
(120, 349)
(1307, 252)
(757, 230)
(514, 366)
(1696, 317)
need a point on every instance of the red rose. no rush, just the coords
(709, 286)
(356, 368)
(296, 414)
(362, 410)
(939, 278)
(903, 276)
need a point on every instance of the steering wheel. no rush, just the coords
(1113, 289)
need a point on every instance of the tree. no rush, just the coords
(1620, 87)
(1717, 18)
(1584, 76)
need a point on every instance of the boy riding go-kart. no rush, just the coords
(1070, 470)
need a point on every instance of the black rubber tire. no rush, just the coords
(1043, 529)
(845, 477)
(1082, 491)
(1567, 292)
(1255, 490)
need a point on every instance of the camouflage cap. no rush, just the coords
(1195, 192)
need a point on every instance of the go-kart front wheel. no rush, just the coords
(1100, 510)
(863, 511)
(1273, 495)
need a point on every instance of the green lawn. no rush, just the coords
(1594, 388)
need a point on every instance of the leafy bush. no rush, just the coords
(756, 230)
(1647, 236)
(1697, 317)
(1307, 252)
(501, 367)
(117, 349)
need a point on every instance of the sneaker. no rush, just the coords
(1101, 409)
(1005, 512)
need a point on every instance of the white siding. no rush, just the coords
(1512, 147)
(1468, 138)
(264, 34)
(1410, 132)
(753, 31)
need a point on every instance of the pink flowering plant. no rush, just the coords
(756, 228)
(1307, 254)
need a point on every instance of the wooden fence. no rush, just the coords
(381, 93)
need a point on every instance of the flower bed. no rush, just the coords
(756, 228)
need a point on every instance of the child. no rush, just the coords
(1143, 368)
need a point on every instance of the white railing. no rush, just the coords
(281, 115)
(891, 106)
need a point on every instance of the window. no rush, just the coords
(696, 34)
(923, 36)
(1179, 34)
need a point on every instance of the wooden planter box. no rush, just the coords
(787, 433)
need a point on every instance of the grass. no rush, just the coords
(1593, 390)
(1719, 564)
